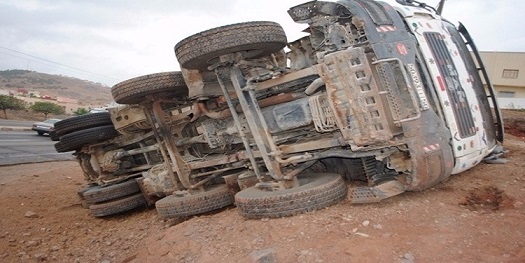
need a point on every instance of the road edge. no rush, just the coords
(13, 128)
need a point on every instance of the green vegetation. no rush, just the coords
(10, 103)
(13, 72)
(47, 107)
(42, 81)
(81, 111)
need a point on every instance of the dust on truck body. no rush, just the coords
(383, 93)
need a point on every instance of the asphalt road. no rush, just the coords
(18, 147)
(14, 123)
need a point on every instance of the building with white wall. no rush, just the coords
(506, 71)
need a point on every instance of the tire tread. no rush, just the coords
(78, 139)
(173, 206)
(135, 90)
(195, 51)
(325, 190)
(81, 122)
(118, 205)
(99, 194)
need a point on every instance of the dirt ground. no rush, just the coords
(476, 216)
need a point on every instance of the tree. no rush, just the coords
(47, 107)
(81, 111)
(10, 103)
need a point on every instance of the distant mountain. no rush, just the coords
(84, 91)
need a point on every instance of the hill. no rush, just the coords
(86, 92)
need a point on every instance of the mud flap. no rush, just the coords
(432, 157)
(361, 195)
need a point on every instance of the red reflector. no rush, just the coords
(401, 49)
(441, 83)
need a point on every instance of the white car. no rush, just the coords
(44, 127)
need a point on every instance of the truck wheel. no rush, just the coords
(81, 196)
(118, 206)
(179, 206)
(82, 122)
(316, 191)
(135, 90)
(76, 140)
(60, 147)
(54, 136)
(97, 194)
(255, 39)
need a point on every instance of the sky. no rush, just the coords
(111, 41)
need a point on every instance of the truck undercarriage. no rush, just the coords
(279, 130)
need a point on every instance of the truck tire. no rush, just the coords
(135, 90)
(54, 136)
(80, 194)
(61, 148)
(82, 122)
(97, 194)
(76, 140)
(256, 39)
(316, 191)
(118, 205)
(176, 206)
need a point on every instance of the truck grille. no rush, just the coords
(456, 93)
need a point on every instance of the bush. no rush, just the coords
(81, 111)
(10, 103)
(47, 107)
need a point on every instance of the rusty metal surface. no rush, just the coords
(319, 144)
(247, 180)
(158, 182)
(402, 103)
(231, 182)
(218, 160)
(150, 199)
(129, 119)
(226, 113)
(304, 73)
(432, 157)
(165, 157)
(360, 195)
(238, 126)
(354, 97)
(178, 164)
(223, 114)
(256, 123)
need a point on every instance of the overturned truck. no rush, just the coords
(384, 95)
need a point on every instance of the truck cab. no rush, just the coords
(460, 93)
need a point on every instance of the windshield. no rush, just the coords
(52, 121)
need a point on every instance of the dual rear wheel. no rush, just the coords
(76, 132)
(112, 199)
(316, 191)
